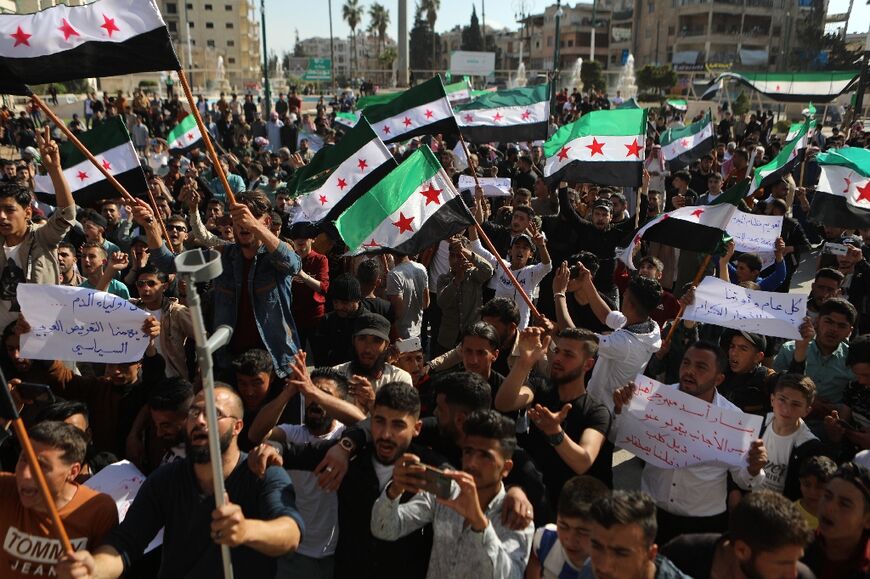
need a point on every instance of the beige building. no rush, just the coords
(25, 6)
(694, 34)
(204, 30)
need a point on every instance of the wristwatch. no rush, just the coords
(347, 444)
(556, 439)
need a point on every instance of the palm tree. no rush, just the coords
(431, 8)
(352, 13)
(379, 20)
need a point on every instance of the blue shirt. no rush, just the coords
(830, 373)
(115, 287)
(769, 283)
(171, 498)
(237, 185)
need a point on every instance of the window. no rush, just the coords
(209, 43)
(230, 25)
(209, 7)
(192, 42)
(172, 25)
(231, 42)
(189, 6)
(570, 43)
(191, 23)
(671, 31)
(651, 6)
(231, 60)
(171, 8)
(209, 24)
(228, 7)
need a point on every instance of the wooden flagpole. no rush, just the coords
(36, 470)
(698, 276)
(90, 157)
(206, 137)
(480, 232)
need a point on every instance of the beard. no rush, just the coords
(316, 421)
(567, 377)
(200, 454)
(374, 371)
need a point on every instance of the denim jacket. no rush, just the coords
(269, 282)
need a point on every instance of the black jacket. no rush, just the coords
(814, 447)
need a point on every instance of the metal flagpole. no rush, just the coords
(198, 266)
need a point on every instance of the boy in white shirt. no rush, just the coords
(786, 436)
(529, 276)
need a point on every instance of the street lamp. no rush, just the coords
(559, 14)
(266, 85)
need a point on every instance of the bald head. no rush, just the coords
(226, 400)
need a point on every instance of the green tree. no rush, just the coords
(418, 41)
(658, 79)
(741, 105)
(472, 39)
(431, 8)
(591, 75)
(352, 13)
(839, 55)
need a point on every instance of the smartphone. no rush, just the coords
(32, 392)
(436, 482)
(836, 248)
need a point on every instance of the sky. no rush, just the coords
(311, 17)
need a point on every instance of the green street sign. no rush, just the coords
(318, 69)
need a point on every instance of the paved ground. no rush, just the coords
(626, 467)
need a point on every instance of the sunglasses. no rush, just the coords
(147, 282)
(176, 228)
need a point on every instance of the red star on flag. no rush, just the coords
(684, 143)
(848, 183)
(371, 243)
(595, 147)
(633, 149)
(82, 175)
(106, 165)
(21, 37)
(407, 122)
(404, 223)
(189, 136)
(563, 154)
(468, 118)
(432, 195)
(323, 200)
(497, 117)
(525, 116)
(362, 164)
(386, 129)
(342, 184)
(863, 193)
(777, 88)
(697, 213)
(68, 30)
(109, 25)
(428, 114)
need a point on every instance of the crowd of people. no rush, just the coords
(386, 415)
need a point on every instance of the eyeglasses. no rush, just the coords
(180, 228)
(147, 282)
(196, 411)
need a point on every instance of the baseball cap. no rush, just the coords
(370, 324)
(524, 237)
(603, 203)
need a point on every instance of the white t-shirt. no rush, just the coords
(529, 277)
(319, 509)
(384, 472)
(409, 280)
(779, 449)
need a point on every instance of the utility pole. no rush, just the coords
(483, 17)
(592, 35)
(862, 82)
(268, 107)
(332, 52)
(402, 41)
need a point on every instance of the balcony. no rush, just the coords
(692, 32)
